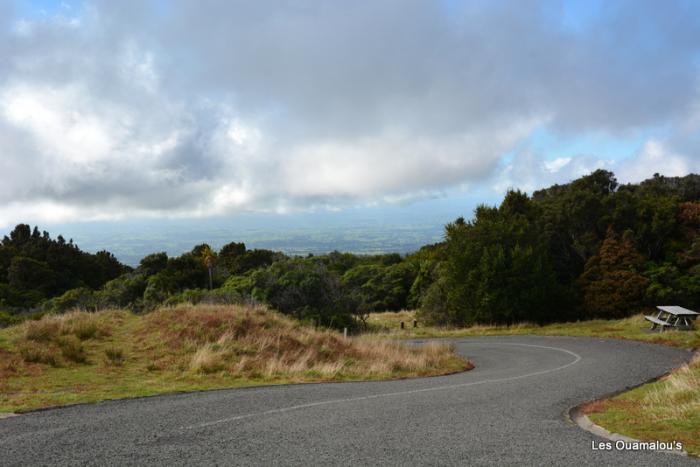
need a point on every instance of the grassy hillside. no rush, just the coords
(85, 357)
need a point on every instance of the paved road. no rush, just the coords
(510, 410)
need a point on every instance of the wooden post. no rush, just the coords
(345, 333)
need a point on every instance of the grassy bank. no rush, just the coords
(666, 410)
(86, 357)
(635, 328)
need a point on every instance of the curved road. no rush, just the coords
(510, 410)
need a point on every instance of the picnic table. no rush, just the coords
(672, 317)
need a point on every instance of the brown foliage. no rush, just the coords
(612, 285)
(689, 213)
(258, 343)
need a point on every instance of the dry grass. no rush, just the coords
(31, 352)
(667, 410)
(679, 393)
(115, 355)
(57, 340)
(255, 342)
(80, 324)
(634, 327)
(72, 348)
(82, 357)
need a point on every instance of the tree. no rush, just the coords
(382, 288)
(611, 283)
(230, 254)
(209, 259)
(153, 263)
(307, 290)
(37, 267)
(574, 218)
(26, 274)
(21, 234)
(255, 259)
(497, 269)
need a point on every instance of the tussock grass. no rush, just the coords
(56, 339)
(667, 410)
(72, 348)
(80, 324)
(44, 330)
(83, 357)
(115, 355)
(32, 352)
(679, 393)
(255, 342)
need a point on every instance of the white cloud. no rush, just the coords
(113, 110)
(61, 121)
(557, 164)
(655, 157)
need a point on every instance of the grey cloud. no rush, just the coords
(369, 63)
(217, 106)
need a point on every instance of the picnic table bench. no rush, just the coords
(672, 317)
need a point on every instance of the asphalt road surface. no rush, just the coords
(511, 410)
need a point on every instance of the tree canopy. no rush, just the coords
(591, 248)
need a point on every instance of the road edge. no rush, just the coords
(6, 415)
(577, 415)
(585, 423)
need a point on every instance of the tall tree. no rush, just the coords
(612, 284)
(209, 259)
(497, 269)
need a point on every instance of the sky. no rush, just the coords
(116, 111)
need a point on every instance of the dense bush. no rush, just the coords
(34, 267)
(588, 249)
(497, 269)
(380, 287)
(220, 296)
(307, 290)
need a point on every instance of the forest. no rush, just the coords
(588, 249)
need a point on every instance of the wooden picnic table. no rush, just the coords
(672, 317)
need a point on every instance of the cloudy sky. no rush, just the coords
(189, 109)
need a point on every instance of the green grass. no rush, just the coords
(666, 410)
(635, 328)
(89, 357)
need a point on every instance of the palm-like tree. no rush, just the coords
(209, 259)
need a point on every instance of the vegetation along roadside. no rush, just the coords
(85, 357)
